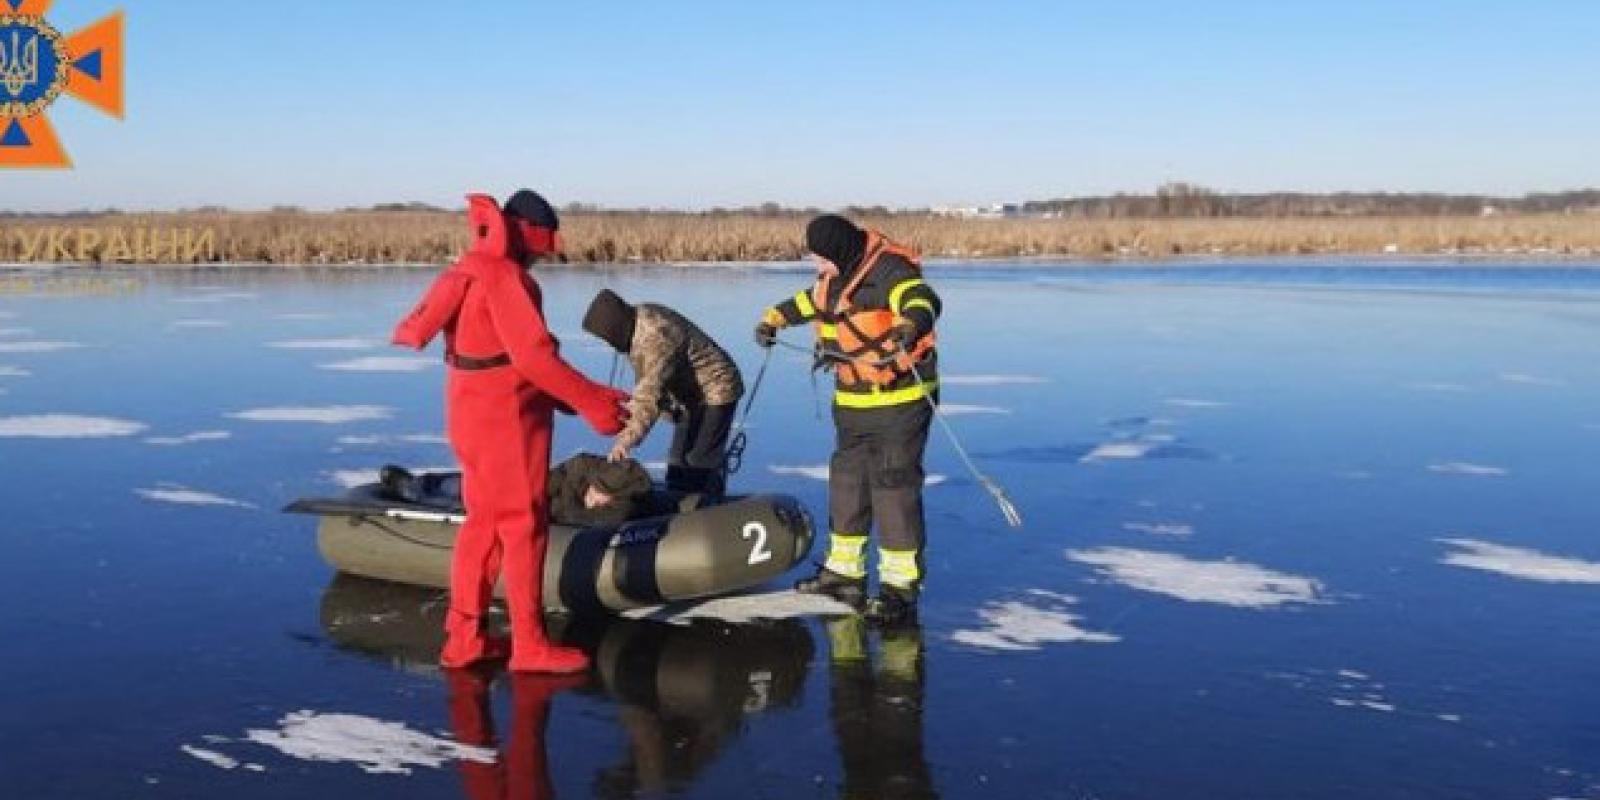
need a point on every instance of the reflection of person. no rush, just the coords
(521, 770)
(874, 316)
(877, 710)
(505, 381)
(678, 369)
(585, 490)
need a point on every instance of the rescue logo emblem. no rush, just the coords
(37, 65)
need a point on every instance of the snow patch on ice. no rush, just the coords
(1120, 451)
(182, 495)
(1160, 528)
(1190, 402)
(382, 364)
(16, 331)
(13, 372)
(960, 409)
(211, 757)
(323, 415)
(991, 380)
(199, 323)
(188, 438)
(1530, 380)
(374, 745)
(819, 472)
(1230, 583)
(67, 426)
(1466, 468)
(347, 343)
(743, 608)
(375, 439)
(1518, 562)
(39, 346)
(1012, 625)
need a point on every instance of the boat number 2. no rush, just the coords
(758, 552)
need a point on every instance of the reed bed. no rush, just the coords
(424, 237)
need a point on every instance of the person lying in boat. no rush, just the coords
(585, 490)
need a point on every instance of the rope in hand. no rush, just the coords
(734, 459)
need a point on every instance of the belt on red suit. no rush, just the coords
(474, 363)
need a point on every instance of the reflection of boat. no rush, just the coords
(683, 690)
(708, 550)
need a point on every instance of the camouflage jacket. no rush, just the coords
(676, 366)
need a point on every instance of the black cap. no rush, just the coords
(611, 318)
(531, 206)
(625, 478)
(837, 239)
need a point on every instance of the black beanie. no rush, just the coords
(611, 318)
(837, 239)
(529, 205)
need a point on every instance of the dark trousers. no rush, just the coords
(699, 445)
(876, 474)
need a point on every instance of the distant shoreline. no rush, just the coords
(429, 238)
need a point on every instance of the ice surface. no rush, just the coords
(199, 323)
(39, 346)
(961, 409)
(374, 745)
(215, 297)
(819, 472)
(1160, 528)
(13, 372)
(1519, 562)
(1530, 380)
(1437, 386)
(324, 415)
(16, 332)
(302, 315)
(1190, 402)
(376, 439)
(67, 426)
(1466, 468)
(182, 495)
(1231, 583)
(741, 608)
(1016, 625)
(188, 438)
(383, 364)
(990, 380)
(347, 343)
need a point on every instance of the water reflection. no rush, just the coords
(876, 703)
(684, 692)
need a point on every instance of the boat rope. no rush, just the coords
(734, 458)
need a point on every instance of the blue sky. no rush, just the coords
(693, 104)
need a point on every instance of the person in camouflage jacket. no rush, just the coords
(679, 371)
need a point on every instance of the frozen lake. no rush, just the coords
(1311, 531)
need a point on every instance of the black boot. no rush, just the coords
(892, 607)
(850, 591)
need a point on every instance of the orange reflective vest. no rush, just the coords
(865, 350)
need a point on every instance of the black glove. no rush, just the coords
(905, 335)
(766, 334)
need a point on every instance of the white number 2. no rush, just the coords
(759, 552)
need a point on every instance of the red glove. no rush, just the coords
(605, 409)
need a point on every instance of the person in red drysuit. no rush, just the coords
(506, 378)
(521, 768)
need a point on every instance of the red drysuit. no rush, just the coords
(521, 769)
(505, 380)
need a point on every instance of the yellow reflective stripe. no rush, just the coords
(775, 318)
(899, 292)
(847, 639)
(827, 331)
(918, 303)
(878, 398)
(847, 555)
(803, 301)
(898, 568)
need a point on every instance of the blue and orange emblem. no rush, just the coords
(37, 65)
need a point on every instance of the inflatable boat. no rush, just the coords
(685, 552)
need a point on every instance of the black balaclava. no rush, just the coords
(611, 318)
(531, 206)
(837, 239)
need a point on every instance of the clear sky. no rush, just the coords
(325, 103)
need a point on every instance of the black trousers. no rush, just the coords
(699, 445)
(876, 473)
